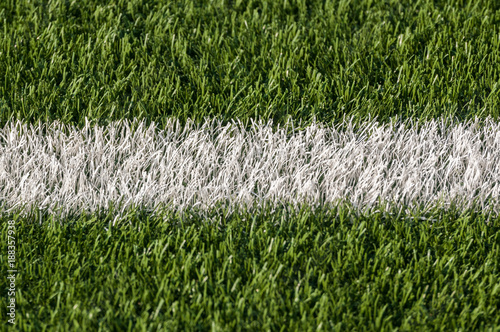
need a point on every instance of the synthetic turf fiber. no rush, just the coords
(126, 164)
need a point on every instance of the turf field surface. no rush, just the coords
(198, 263)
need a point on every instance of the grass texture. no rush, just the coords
(187, 165)
(304, 60)
(129, 164)
(275, 270)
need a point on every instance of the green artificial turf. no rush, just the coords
(329, 269)
(109, 60)
(332, 269)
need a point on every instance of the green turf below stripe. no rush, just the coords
(108, 60)
(299, 271)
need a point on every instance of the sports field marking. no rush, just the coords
(130, 164)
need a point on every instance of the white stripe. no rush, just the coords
(61, 167)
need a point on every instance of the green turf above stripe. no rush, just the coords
(109, 60)
(128, 164)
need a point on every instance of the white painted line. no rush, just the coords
(67, 169)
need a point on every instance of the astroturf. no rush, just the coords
(64, 169)
(289, 267)
(299, 60)
(277, 270)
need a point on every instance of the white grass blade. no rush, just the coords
(57, 167)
